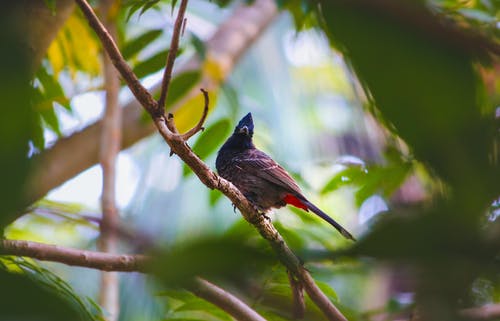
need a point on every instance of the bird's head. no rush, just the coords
(245, 126)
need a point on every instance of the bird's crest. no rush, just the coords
(247, 122)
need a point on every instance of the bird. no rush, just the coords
(264, 182)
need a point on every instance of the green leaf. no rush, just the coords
(132, 47)
(181, 84)
(151, 64)
(350, 175)
(50, 117)
(174, 2)
(139, 4)
(52, 90)
(38, 138)
(199, 46)
(210, 140)
(51, 4)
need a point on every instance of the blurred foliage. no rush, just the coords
(35, 293)
(373, 179)
(207, 257)
(18, 122)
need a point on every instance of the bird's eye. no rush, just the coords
(244, 130)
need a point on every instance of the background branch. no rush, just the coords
(90, 259)
(109, 297)
(229, 303)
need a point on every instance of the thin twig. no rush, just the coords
(172, 53)
(199, 126)
(229, 303)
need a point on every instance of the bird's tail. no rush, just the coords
(327, 218)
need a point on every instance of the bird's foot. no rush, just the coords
(234, 207)
(266, 217)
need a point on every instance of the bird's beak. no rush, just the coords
(244, 130)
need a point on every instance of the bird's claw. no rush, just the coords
(266, 217)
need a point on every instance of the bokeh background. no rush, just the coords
(385, 112)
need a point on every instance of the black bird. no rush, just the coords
(263, 181)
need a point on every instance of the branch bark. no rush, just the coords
(94, 260)
(109, 291)
(227, 302)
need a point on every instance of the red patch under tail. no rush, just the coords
(292, 200)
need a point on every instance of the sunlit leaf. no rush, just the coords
(189, 112)
(350, 175)
(182, 84)
(75, 48)
(151, 64)
(49, 116)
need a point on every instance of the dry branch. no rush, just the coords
(109, 296)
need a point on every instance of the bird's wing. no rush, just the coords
(261, 165)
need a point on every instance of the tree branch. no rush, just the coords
(172, 53)
(227, 302)
(298, 302)
(109, 291)
(212, 180)
(486, 312)
(94, 260)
